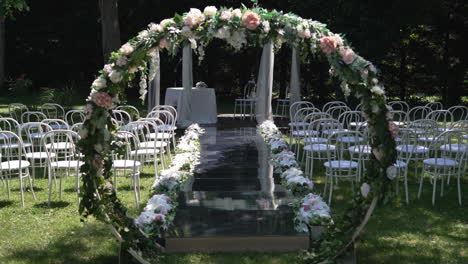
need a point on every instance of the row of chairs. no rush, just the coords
(50, 144)
(326, 138)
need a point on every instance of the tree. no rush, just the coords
(110, 26)
(7, 10)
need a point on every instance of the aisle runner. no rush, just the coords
(233, 192)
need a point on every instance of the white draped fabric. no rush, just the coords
(154, 94)
(184, 106)
(295, 76)
(265, 84)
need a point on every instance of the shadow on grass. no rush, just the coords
(5, 203)
(87, 244)
(53, 204)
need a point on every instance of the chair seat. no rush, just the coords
(245, 99)
(60, 145)
(302, 133)
(350, 139)
(430, 139)
(400, 164)
(64, 164)
(412, 149)
(358, 124)
(58, 127)
(441, 162)
(152, 144)
(5, 136)
(123, 164)
(454, 147)
(15, 145)
(341, 164)
(464, 136)
(412, 130)
(166, 128)
(283, 100)
(39, 155)
(314, 140)
(131, 127)
(160, 135)
(319, 147)
(441, 129)
(37, 135)
(298, 124)
(14, 165)
(363, 149)
(148, 151)
(334, 131)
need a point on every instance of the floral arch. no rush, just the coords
(240, 28)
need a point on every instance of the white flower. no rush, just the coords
(266, 26)
(108, 68)
(115, 76)
(377, 90)
(152, 52)
(365, 189)
(392, 172)
(186, 31)
(210, 11)
(193, 43)
(83, 133)
(122, 60)
(223, 33)
(292, 172)
(143, 34)
(339, 40)
(166, 22)
(99, 83)
(225, 15)
(126, 49)
(155, 27)
(132, 69)
(237, 39)
(237, 12)
(345, 88)
(194, 18)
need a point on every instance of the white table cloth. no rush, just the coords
(204, 110)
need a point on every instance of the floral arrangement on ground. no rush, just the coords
(137, 61)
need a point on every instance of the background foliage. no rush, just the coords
(419, 45)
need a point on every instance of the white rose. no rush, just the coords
(225, 15)
(126, 49)
(365, 189)
(266, 26)
(83, 133)
(237, 12)
(166, 22)
(156, 27)
(339, 40)
(392, 172)
(210, 11)
(378, 90)
(143, 34)
(99, 83)
(152, 52)
(122, 60)
(115, 76)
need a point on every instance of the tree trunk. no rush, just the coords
(403, 64)
(2, 52)
(110, 27)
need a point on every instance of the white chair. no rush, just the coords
(459, 112)
(32, 116)
(75, 116)
(149, 151)
(447, 160)
(399, 117)
(56, 124)
(34, 132)
(16, 110)
(332, 104)
(13, 163)
(444, 119)
(417, 112)
(337, 165)
(336, 111)
(246, 104)
(122, 117)
(399, 106)
(166, 130)
(53, 111)
(435, 106)
(315, 146)
(126, 165)
(133, 111)
(63, 158)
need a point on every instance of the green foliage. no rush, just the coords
(20, 86)
(64, 96)
(9, 7)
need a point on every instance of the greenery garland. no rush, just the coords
(241, 28)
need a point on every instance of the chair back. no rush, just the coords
(332, 104)
(459, 112)
(32, 116)
(12, 148)
(399, 106)
(53, 111)
(16, 110)
(75, 116)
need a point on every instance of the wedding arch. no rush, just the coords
(138, 61)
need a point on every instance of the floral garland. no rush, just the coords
(310, 209)
(137, 61)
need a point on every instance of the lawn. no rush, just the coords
(397, 233)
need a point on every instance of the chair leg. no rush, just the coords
(420, 184)
(50, 184)
(331, 191)
(31, 185)
(406, 185)
(434, 190)
(21, 187)
(459, 190)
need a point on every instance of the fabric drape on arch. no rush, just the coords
(263, 109)
(184, 105)
(154, 93)
(295, 85)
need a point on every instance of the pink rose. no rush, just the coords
(159, 217)
(364, 73)
(394, 129)
(163, 43)
(306, 208)
(328, 44)
(307, 33)
(251, 20)
(377, 153)
(102, 99)
(347, 55)
(108, 68)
